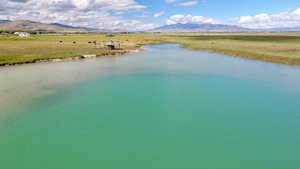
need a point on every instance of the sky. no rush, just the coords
(148, 14)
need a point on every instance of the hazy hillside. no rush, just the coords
(200, 28)
(4, 21)
(26, 25)
(36, 26)
(285, 29)
(71, 27)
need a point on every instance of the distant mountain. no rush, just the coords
(200, 28)
(285, 29)
(26, 25)
(4, 21)
(71, 27)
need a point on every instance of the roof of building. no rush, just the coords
(111, 44)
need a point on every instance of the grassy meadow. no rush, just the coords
(277, 48)
(15, 50)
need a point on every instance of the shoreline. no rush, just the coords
(251, 56)
(279, 49)
(73, 58)
(237, 54)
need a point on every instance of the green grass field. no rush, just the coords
(21, 50)
(277, 48)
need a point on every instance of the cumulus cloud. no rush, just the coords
(189, 3)
(159, 14)
(184, 19)
(91, 13)
(170, 1)
(264, 20)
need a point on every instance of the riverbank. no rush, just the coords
(53, 48)
(276, 48)
(75, 58)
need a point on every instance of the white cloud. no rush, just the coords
(297, 11)
(189, 3)
(170, 1)
(91, 13)
(264, 20)
(184, 19)
(159, 14)
(119, 13)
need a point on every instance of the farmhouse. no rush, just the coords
(112, 45)
(22, 34)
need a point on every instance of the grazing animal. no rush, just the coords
(74, 42)
(61, 41)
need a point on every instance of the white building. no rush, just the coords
(22, 34)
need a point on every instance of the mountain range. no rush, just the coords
(26, 25)
(4, 21)
(285, 29)
(219, 28)
(201, 28)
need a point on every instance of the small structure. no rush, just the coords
(109, 35)
(22, 34)
(88, 56)
(112, 45)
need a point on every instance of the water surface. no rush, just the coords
(165, 108)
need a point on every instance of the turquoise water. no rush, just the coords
(165, 108)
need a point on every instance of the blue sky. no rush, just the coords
(226, 12)
(146, 14)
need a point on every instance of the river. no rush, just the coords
(164, 108)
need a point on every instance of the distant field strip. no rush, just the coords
(277, 48)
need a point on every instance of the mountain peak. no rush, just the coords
(205, 27)
(4, 21)
(27, 25)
